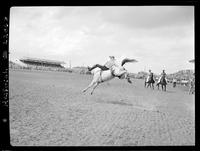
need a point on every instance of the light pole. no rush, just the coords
(70, 64)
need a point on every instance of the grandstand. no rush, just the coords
(35, 62)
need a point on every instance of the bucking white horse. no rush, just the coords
(100, 76)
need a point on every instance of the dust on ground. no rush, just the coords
(49, 109)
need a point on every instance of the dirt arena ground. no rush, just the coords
(49, 109)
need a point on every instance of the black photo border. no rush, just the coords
(4, 46)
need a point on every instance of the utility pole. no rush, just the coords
(70, 64)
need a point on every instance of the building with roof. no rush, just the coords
(81, 70)
(36, 62)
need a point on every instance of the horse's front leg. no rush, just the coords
(95, 85)
(89, 86)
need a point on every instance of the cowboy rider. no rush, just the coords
(150, 75)
(163, 74)
(107, 66)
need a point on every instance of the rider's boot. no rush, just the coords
(89, 69)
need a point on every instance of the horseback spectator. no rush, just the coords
(174, 82)
(150, 76)
(163, 74)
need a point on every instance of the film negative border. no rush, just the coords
(4, 43)
(4, 27)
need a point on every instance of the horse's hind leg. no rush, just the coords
(129, 80)
(127, 77)
(157, 85)
(163, 87)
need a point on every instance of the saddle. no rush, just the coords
(163, 79)
(150, 79)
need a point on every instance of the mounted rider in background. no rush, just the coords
(163, 75)
(150, 77)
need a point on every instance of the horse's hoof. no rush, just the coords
(129, 81)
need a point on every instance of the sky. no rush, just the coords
(158, 37)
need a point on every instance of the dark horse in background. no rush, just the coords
(163, 83)
(149, 81)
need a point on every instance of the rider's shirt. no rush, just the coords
(151, 74)
(109, 64)
(163, 74)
